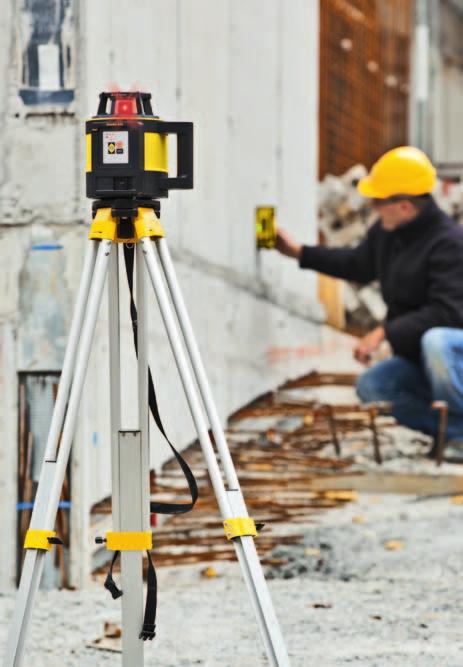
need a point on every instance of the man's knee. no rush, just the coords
(442, 351)
(368, 386)
(434, 343)
(382, 381)
(435, 353)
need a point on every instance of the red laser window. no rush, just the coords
(125, 107)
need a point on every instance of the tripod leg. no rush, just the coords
(114, 375)
(135, 491)
(53, 469)
(231, 503)
(143, 407)
(70, 354)
(185, 374)
(197, 363)
(246, 551)
(130, 461)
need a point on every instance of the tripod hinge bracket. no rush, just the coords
(129, 541)
(106, 226)
(40, 539)
(240, 527)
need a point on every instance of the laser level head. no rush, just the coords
(266, 227)
(127, 150)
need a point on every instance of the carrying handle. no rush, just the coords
(184, 178)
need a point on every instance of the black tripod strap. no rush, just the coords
(149, 621)
(109, 583)
(158, 508)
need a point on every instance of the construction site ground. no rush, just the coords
(366, 605)
(363, 559)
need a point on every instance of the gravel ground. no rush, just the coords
(343, 599)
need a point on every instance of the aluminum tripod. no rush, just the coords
(130, 449)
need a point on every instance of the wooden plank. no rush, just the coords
(386, 482)
(330, 295)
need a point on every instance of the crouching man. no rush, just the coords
(416, 252)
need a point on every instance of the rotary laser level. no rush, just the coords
(127, 154)
(127, 172)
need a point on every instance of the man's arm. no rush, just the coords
(445, 301)
(356, 264)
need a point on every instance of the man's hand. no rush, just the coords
(285, 244)
(368, 344)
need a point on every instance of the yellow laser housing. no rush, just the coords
(126, 150)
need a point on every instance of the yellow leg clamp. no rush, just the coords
(38, 539)
(240, 527)
(104, 226)
(147, 224)
(133, 541)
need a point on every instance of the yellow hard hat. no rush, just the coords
(402, 171)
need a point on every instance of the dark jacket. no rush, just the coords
(420, 270)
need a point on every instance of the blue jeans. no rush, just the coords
(411, 388)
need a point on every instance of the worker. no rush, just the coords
(415, 251)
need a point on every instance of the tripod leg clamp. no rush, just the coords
(129, 541)
(40, 539)
(147, 224)
(240, 527)
(104, 226)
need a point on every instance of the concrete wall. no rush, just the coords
(448, 104)
(245, 72)
(435, 123)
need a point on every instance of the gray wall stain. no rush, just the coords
(43, 305)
